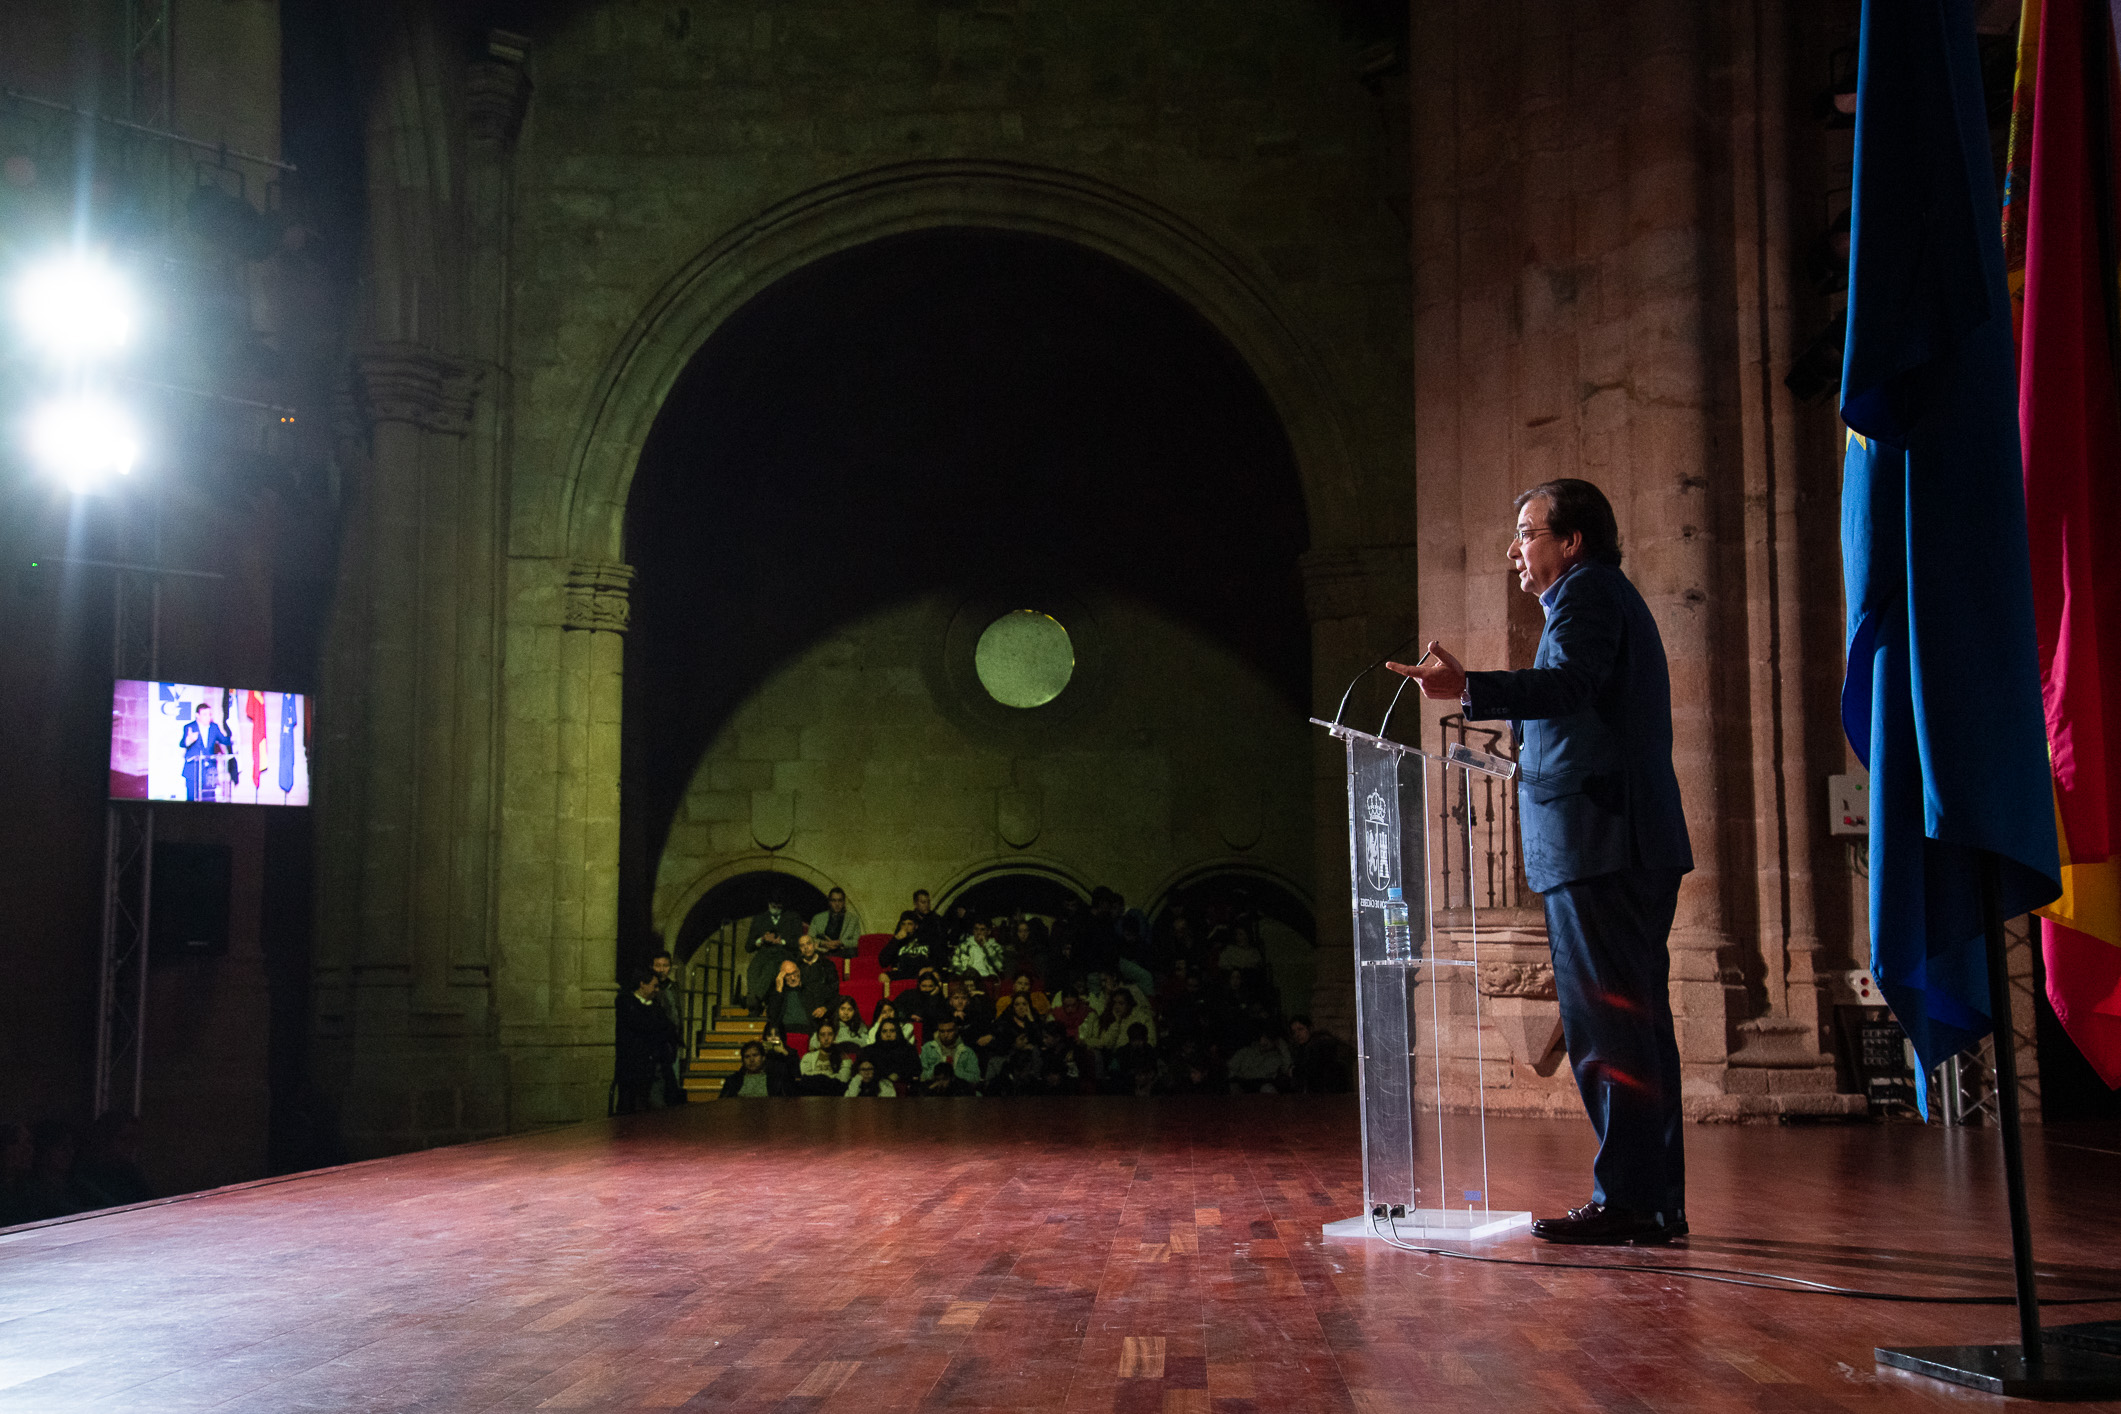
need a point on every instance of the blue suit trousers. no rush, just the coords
(1612, 965)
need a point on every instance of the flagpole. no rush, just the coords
(2032, 1368)
(2006, 1043)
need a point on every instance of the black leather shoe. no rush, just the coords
(1603, 1225)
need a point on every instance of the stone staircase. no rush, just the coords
(718, 1059)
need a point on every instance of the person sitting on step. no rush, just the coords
(822, 1071)
(893, 1056)
(868, 1084)
(949, 1065)
(752, 1081)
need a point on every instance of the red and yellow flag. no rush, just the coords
(2069, 418)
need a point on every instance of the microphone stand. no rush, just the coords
(1399, 647)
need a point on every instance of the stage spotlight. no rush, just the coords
(83, 441)
(75, 307)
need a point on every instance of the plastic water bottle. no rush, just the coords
(1399, 935)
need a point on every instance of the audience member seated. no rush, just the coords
(1028, 938)
(839, 928)
(893, 1056)
(1193, 1071)
(925, 1004)
(847, 1021)
(1017, 1022)
(822, 1071)
(1238, 952)
(1024, 985)
(1318, 1062)
(786, 1007)
(1098, 1001)
(1062, 1063)
(949, 1065)
(1132, 1068)
(957, 1006)
(1261, 1068)
(768, 949)
(928, 927)
(867, 1084)
(1187, 1016)
(1017, 1069)
(1069, 1011)
(909, 953)
(754, 1080)
(1102, 985)
(1234, 1013)
(977, 954)
(819, 981)
(1107, 1030)
(780, 1060)
(1138, 962)
(886, 1010)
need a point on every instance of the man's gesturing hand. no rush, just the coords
(1441, 676)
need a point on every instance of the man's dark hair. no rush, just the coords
(1301, 1020)
(1576, 507)
(659, 952)
(921, 893)
(643, 977)
(748, 1047)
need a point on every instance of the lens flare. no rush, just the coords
(83, 441)
(75, 307)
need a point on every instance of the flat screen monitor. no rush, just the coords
(209, 745)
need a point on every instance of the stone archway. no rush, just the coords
(585, 518)
(570, 586)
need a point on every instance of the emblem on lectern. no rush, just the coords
(1377, 841)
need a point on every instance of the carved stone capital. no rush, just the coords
(497, 90)
(598, 597)
(1532, 980)
(411, 384)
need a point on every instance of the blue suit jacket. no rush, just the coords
(1593, 718)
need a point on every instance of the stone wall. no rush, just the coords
(558, 221)
(860, 764)
(1604, 266)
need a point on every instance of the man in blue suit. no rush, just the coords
(1605, 843)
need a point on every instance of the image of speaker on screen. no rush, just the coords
(209, 745)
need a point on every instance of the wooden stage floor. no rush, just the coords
(1107, 1255)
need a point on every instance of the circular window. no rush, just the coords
(1024, 659)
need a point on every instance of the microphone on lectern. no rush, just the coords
(1396, 648)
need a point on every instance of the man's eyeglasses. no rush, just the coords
(1526, 537)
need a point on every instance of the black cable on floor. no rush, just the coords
(1734, 1276)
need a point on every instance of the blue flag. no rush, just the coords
(1942, 696)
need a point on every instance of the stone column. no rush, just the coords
(560, 834)
(1602, 267)
(1779, 1050)
(402, 973)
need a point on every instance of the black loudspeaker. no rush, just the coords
(188, 911)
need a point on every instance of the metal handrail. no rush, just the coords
(1483, 842)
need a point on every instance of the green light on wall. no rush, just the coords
(1024, 659)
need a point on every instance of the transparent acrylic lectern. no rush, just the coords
(1420, 1051)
